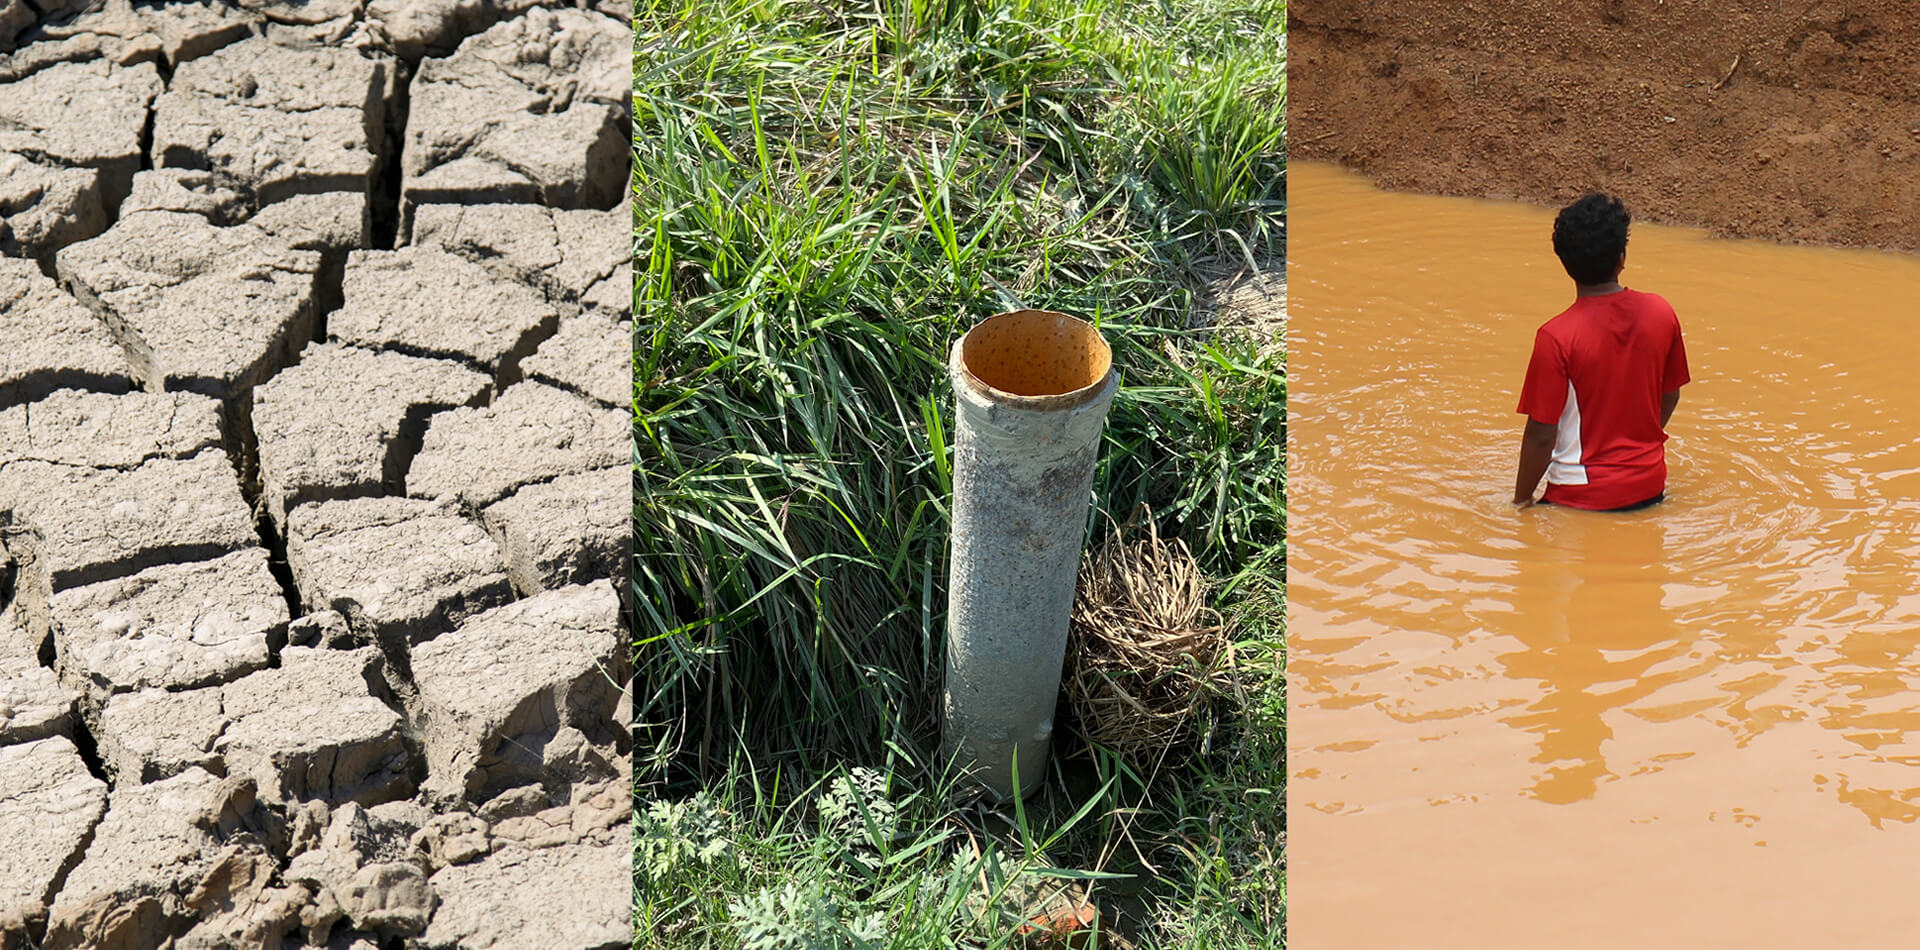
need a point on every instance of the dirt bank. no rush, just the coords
(1795, 121)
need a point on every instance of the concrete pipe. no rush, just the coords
(1033, 388)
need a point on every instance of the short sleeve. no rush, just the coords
(1544, 393)
(1675, 375)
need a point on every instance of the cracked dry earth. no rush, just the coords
(314, 335)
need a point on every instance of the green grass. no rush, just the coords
(780, 851)
(829, 195)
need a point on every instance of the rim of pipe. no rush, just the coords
(997, 359)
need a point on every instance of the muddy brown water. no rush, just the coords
(1692, 726)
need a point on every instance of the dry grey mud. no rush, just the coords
(1253, 300)
(314, 497)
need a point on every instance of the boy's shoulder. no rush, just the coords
(1568, 324)
(1650, 305)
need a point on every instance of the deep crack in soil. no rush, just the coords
(452, 762)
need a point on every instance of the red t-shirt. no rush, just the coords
(1598, 371)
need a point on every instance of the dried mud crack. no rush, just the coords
(313, 480)
(1251, 300)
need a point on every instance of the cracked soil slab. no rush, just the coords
(84, 525)
(97, 430)
(564, 252)
(313, 729)
(46, 207)
(427, 302)
(397, 568)
(591, 355)
(33, 703)
(497, 690)
(346, 421)
(279, 120)
(568, 531)
(565, 898)
(532, 433)
(152, 734)
(218, 403)
(174, 626)
(82, 115)
(197, 306)
(415, 27)
(532, 110)
(123, 32)
(50, 341)
(51, 804)
(69, 147)
(142, 869)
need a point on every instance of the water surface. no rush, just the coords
(1691, 726)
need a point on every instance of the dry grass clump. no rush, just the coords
(1146, 654)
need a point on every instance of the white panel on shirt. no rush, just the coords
(1565, 468)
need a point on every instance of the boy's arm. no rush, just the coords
(1536, 450)
(1543, 395)
(1674, 376)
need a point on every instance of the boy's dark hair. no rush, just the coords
(1589, 236)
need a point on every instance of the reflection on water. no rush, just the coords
(1736, 667)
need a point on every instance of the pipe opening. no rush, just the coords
(1035, 353)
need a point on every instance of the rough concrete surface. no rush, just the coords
(314, 498)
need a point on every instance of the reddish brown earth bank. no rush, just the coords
(1782, 119)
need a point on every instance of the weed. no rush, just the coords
(829, 195)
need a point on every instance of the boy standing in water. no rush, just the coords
(1604, 378)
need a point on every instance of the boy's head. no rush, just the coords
(1590, 237)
